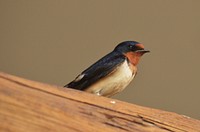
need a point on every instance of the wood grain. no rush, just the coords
(32, 106)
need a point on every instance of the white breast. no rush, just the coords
(115, 82)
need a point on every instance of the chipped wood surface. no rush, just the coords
(31, 106)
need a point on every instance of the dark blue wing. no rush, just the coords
(98, 70)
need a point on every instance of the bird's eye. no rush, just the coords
(130, 46)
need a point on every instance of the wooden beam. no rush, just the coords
(29, 106)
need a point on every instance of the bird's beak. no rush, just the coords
(142, 51)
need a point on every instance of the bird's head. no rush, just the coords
(132, 50)
(131, 46)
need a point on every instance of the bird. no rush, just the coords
(112, 73)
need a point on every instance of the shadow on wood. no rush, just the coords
(32, 106)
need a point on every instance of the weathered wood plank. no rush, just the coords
(32, 106)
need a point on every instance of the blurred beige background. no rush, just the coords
(53, 41)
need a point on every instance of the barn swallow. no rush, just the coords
(112, 73)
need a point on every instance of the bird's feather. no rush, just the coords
(98, 70)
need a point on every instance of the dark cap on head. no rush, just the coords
(130, 46)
